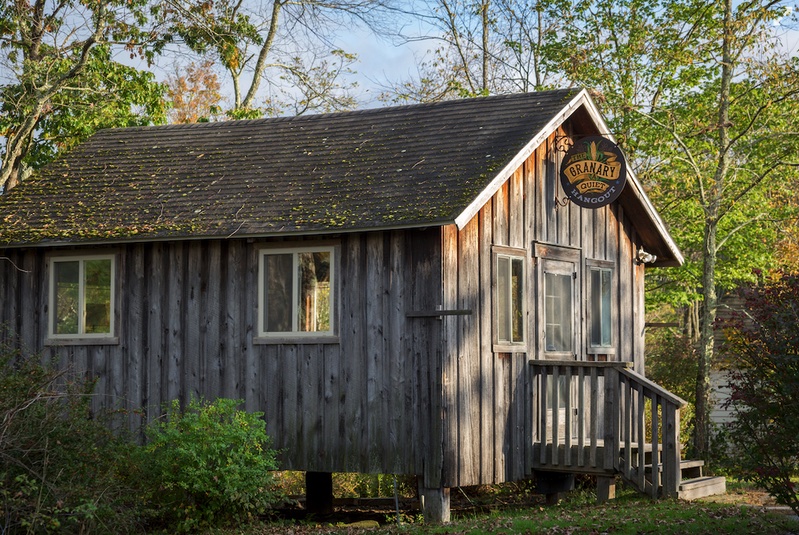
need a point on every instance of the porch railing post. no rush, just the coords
(671, 450)
(611, 420)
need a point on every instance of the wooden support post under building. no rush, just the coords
(435, 505)
(605, 488)
(319, 492)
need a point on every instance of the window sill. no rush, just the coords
(510, 348)
(296, 340)
(601, 350)
(98, 341)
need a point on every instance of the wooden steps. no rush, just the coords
(693, 483)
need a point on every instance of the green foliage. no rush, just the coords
(671, 362)
(62, 470)
(212, 464)
(62, 81)
(763, 348)
(357, 485)
(120, 96)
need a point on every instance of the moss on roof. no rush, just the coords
(378, 168)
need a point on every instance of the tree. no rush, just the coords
(61, 81)
(763, 348)
(286, 45)
(705, 106)
(485, 47)
(194, 92)
(731, 139)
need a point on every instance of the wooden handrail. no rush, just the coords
(654, 387)
(582, 363)
(594, 417)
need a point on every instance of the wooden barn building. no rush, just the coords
(405, 290)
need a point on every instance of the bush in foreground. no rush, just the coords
(763, 346)
(62, 470)
(212, 463)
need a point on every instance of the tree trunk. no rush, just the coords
(705, 349)
(712, 197)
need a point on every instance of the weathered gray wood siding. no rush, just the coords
(187, 315)
(487, 396)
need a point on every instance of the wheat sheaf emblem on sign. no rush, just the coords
(593, 172)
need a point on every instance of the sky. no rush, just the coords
(382, 61)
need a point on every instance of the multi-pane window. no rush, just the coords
(510, 299)
(297, 291)
(558, 311)
(81, 297)
(558, 290)
(600, 303)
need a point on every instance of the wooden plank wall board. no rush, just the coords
(486, 355)
(450, 355)
(194, 305)
(250, 356)
(516, 209)
(400, 372)
(502, 378)
(228, 335)
(210, 330)
(469, 398)
(424, 252)
(352, 314)
(135, 332)
(552, 194)
(30, 329)
(625, 267)
(501, 216)
(334, 424)
(375, 303)
(174, 314)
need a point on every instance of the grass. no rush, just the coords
(629, 513)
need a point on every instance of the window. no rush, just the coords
(558, 311)
(558, 291)
(296, 294)
(81, 297)
(600, 281)
(510, 299)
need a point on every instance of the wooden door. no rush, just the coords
(559, 326)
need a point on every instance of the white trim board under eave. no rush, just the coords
(521, 156)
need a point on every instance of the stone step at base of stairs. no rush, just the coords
(699, 487)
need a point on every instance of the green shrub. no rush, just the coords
(61, 468)
(763, 348)
(212, 463)
(671, 362)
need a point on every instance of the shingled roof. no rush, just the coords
(405, 166)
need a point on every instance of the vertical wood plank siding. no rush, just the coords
(492, 397)
(187, 313)
(396, 394)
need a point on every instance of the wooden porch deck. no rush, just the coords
(590, 414)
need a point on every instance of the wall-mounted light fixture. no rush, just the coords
(644, 257)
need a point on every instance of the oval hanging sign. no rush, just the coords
(593, 172)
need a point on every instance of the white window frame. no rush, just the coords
(559, 260)
(81, 336)
(593, 265)
(512, 255)
(296, 335)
